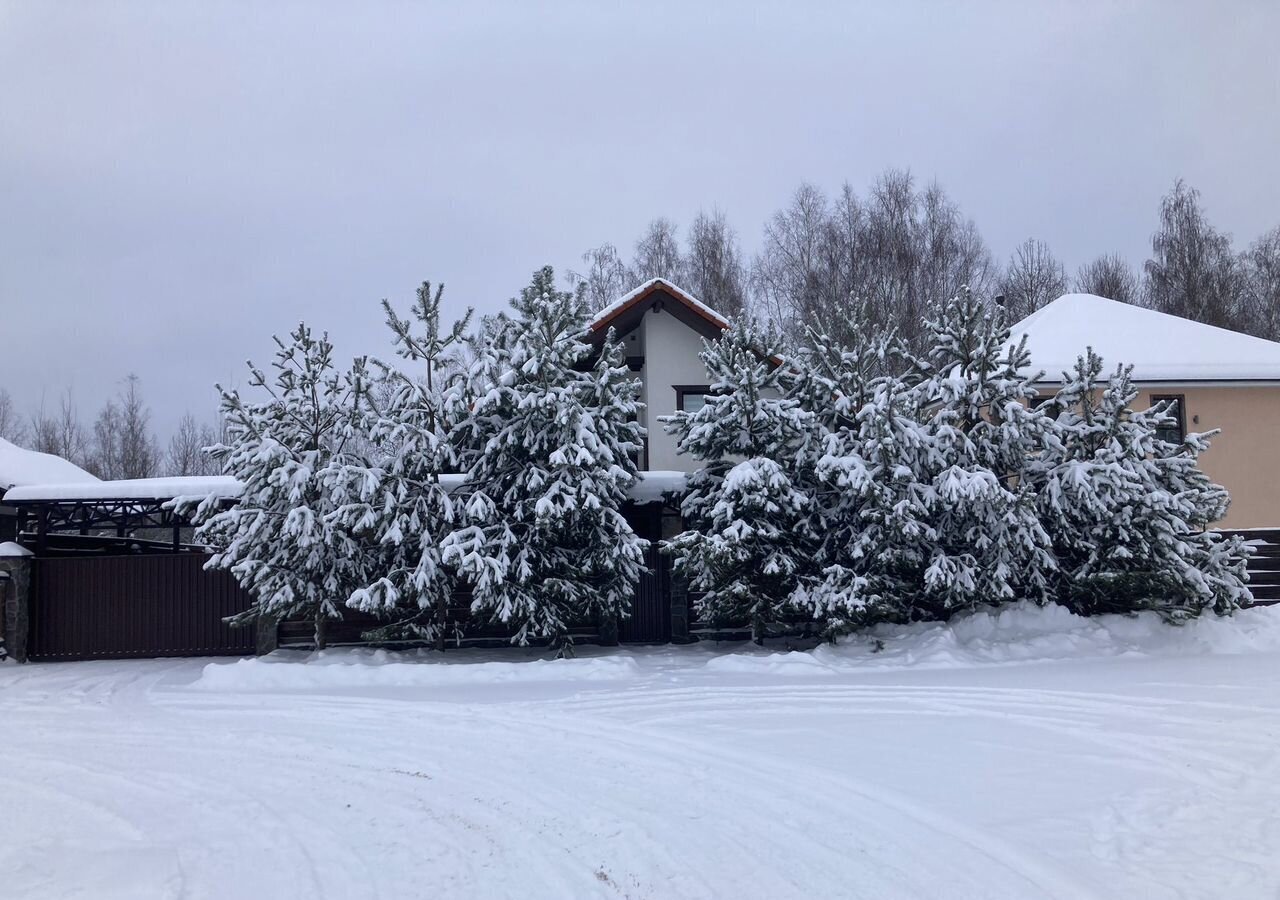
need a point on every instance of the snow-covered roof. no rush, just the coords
(128, 489)
(19, 466)
(606, 316)
(10, 549)
(1160, 347)
(648, 488)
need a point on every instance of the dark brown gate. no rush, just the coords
(650, 619)
(119, 607)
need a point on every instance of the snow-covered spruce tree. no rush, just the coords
(1127, 511)
(280, 540)
(749, 540)
(845, 386)
(549, 446)
(879, 538)
(977, 437)
(397, 497)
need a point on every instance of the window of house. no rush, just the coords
(691, 397)
(1176, 431)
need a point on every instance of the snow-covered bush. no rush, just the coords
(396, 495)
(1127, 511)
(281, 541)
(548, 438)
(749, 540)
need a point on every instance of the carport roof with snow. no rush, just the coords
(19, 466)
(649, 488)
(65, 513)
(1160, 347)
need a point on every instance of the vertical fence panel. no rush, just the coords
(115, 607)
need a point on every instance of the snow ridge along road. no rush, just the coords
(655, 773)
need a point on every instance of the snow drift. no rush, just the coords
(1018, 634)
(1024, 633)
(363, 667)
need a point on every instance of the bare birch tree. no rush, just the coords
(1193, 272)
(1261, 263)
(1033, 278)
(123, 444)
(712, 268)
(1109, 276)
(59, 433)
(657, 253)
(11, 426)
(186, 454)
(605, 276)
(139, 453)
(788, 273)
(104, 459)
(895, 251)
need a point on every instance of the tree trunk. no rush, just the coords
(442, 613)
(321, 623)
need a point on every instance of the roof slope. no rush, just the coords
(19, 466)
(1160, 347)
(635, 298)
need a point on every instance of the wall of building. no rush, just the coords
(1245, 458)
(671, 351)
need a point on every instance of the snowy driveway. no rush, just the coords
(646, 774)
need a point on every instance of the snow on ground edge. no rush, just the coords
(1017, 634)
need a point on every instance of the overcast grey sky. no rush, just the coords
(179, 181)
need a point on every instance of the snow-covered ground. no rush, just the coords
(1026, 755)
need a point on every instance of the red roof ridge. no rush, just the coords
(605, 317)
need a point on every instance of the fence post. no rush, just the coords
(15, 599)
(679, 588)
(607, 630)
(268, 633)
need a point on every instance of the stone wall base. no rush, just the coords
(15, 610)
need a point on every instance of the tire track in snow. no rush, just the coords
(1052, 882)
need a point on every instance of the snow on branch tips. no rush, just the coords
(862, 482)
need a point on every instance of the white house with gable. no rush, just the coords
(662, 328)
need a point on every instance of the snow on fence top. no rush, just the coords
(19, 466)
(1160, 347)
(649, 488)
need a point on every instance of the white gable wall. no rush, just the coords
(671, 351)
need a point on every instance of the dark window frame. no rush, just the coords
(684, 389)
(1179, 410)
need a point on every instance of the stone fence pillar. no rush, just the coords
(15, 598)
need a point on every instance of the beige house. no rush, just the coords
(1217, 379)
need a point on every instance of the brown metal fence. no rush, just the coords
(464, 630)
(1264, 563)
(120, 607)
